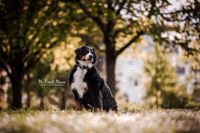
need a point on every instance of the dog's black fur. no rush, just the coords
(97, 94)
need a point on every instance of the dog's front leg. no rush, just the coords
(78, 101)
(78, 105)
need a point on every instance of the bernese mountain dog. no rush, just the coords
(89, 89)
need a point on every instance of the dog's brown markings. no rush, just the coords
(83, 58)
(99, 110)
(78, 106)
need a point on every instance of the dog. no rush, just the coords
(89, 89)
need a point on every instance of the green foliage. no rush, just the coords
(43, 72)
(116, 19)
(162, 89)
(28, 29)
(39, 73)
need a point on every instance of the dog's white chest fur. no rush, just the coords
(78, 84)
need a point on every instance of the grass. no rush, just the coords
(145, 121)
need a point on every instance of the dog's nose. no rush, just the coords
(90, 57)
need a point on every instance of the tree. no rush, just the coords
(53, 66)
(28, 29)
(162, 89)
(193, 75)
(130, 19)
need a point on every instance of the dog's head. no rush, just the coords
(85, 56)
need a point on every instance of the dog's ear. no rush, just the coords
(77, 52)
(95, 56)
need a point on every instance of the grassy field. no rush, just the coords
(152, 121)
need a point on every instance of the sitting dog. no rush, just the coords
(89, 89)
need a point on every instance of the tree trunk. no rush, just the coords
(28, 91)
(63, 99)
(41, 102)
(110, 64)
(16, 81)
(110, 73)
(28, 101)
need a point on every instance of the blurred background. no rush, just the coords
(148, 51)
